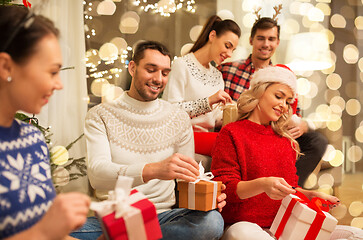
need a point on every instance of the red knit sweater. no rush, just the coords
(245, 151)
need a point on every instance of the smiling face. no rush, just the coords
(222, 46)
(264, 43)
(273, 103)
(149, 76)
(33, 82)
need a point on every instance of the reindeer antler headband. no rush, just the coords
(277, 9)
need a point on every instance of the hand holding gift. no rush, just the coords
(127, 215)
(202, 193)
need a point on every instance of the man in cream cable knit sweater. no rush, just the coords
(146, 138)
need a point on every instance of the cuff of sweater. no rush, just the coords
(135, 171)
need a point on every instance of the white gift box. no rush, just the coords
(300, 221)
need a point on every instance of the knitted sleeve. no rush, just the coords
(225, 163)
(102, 172)
(174, 91)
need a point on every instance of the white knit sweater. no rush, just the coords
(124, 135)
(190, 84)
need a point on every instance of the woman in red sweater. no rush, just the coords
(255, 156)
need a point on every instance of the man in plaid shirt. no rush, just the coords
(265, 38)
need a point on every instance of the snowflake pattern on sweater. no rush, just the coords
(26, 188)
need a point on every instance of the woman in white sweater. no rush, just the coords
(194, 83)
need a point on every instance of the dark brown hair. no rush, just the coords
(220, 26)
(265, 23)
(142, 46)
(24, 36)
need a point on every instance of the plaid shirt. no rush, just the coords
(237, 76)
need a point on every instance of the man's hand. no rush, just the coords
(176, 166)
(221, 199)
(277, 188)
(297, 129)
(220, 96)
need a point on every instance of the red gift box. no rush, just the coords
(127, 215)
(302, 219)
(117, 229)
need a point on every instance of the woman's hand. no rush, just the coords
(277, 188)
(311, 194)
(67, 213)
(220, 96)
(221, 199)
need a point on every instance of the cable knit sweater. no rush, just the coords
(245, 151)
(124, 135)
(190, 84)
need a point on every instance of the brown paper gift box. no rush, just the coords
(230, 114)
(203, 194)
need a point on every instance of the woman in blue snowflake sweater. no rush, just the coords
(30, 61)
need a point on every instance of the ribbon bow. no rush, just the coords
(206, 176)
(118, 200)
(317, 204)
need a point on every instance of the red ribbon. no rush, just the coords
(27, 4)
(317, 204)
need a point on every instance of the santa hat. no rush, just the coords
(278, 74)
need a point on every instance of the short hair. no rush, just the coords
(265, 23)
(144, 45)
(24, 38)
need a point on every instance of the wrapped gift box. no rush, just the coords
(230, 113)
(295, 220)
(199, 196)
(129, 217)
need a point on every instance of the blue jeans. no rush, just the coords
(91, 230)
(181, 223)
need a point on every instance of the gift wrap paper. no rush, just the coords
(301, 220)
(230, 113)
(199, 196)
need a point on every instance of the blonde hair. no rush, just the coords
(249, 100)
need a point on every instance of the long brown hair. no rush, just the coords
(220, 26)
(249, 100)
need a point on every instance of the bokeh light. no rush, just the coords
(311, 181)
(359, 134)
(315, 14)
(356, 208)
(225, 14)
(353, 107)
(325, 8)
(327, 155)
(326, 179)
(339, 211)
(186, 48)
(358, 22)
(303, 86)
(357, 222)
(334, 81)
(108, 51)
(194, 32)
(338, 158)
(99, 87)
(354, 153)
(351, 54)
(338, 21)
(106, 7)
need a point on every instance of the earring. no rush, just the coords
(258, 106)
(9, 79)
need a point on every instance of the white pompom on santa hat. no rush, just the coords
(278, 74)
